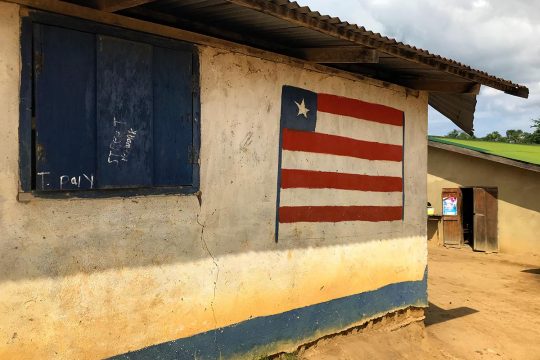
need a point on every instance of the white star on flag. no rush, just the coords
(302, 109)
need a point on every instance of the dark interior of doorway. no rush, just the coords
(468, 216)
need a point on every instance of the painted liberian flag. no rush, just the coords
(340, 159)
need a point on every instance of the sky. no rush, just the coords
(501, 37)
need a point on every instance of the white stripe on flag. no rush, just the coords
(336, 197)
(340, 164)
(359, 129)
(344, 229)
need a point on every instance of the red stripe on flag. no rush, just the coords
(295, 140)
(292, 214)
(292, 178)
(339, 105)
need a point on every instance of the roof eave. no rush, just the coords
(333, 26)
(484, 156)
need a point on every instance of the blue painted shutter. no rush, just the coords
(124, 113)
(64, 73)
(111, 113)
(173, 123)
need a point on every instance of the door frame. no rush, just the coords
(485, 217)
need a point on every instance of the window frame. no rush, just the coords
(26, 146)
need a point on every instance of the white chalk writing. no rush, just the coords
(90, 179)
(42, 174)
(86, 181)
(129, 140)
(122, 142)
(115, 122)
(76, 180)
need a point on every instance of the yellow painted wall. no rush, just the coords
(519, 194)
(91, 278)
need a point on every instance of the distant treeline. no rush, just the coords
(512, 136)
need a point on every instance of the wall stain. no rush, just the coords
(40, 152)
(246, 142)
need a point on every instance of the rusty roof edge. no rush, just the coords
(303, 16)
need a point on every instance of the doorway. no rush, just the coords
(474, 220)
(468, 216)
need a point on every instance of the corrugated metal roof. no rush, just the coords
(457, 107)
(283, 26)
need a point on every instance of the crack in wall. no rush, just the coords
(207, 249)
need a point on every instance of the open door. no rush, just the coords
(451, 211)
(485, 219)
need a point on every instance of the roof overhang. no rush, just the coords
(283, 27)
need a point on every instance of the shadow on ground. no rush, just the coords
(436, 314)
(532, 271)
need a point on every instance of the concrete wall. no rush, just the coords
(519, 194)
(91, 278)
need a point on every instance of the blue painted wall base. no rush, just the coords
(296, 326)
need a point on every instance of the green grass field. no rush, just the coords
(526, 153)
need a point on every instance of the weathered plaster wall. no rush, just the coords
(85, 278)
(519, 194)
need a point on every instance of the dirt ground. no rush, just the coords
(482, 306)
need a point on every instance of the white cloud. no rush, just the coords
(497, 36)
(480, 3)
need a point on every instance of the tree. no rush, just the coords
(454, 134)
(534, 137)
(464, 136)
(516, 136)
(494, 136)
(512, 136)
